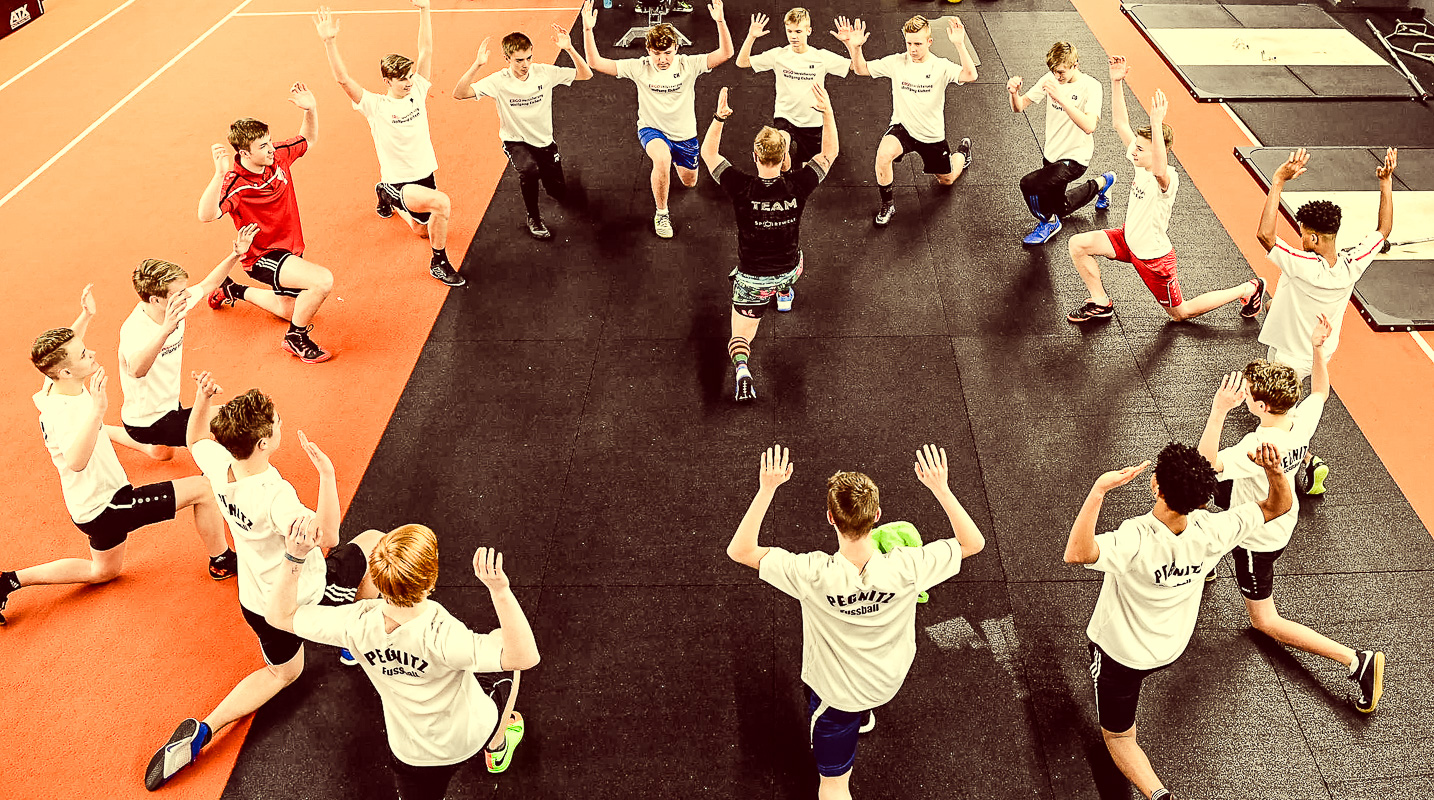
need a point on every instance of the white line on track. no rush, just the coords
(1239, 123)
(117, 106)
(22, 73)
(1423, 345)
(310, 13)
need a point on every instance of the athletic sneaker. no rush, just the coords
(346, 658)
(385, 203)
(444, 271)
(681, 7)
(784, 301)
(4, 598)
(745, 389)
(1044, 231)
(181, 749)
(1315, 473)
(964, 150)
(884, 215)
(662, 224)
(868, 722)
(1213, 573)
(1091, 311)
(1256, 302)
(221, 296)
(224, 566)
(1107, 180)
(538, 229)
(1369, 675)
(499, 761)
(304, 348)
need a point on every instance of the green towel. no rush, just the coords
(892, 535)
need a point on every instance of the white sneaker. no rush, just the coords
(662, 224)
(784, 301)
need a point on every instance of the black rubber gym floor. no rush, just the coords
(573, 408)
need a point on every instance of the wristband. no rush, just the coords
(720, 119)
(293, 558)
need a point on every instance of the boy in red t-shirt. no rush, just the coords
(256, 186)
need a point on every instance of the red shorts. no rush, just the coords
(1159, 275)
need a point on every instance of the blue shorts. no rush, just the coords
(833, 736)
(684, 153)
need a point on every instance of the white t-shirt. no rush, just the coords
(1308, 287)
(1250, 483)
(1153, 579)
(1147, 216)
(918, 93)
(434, 709)
(665, 97)
(400, 133)
(1065, 139)
(62, 418)
(259, 509)
(796, 74)
(157, 393)
(859, 626)
(525, 108)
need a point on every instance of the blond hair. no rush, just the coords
(153, 276)
(1167, 132)
(1062, 54)
(661, 36)
(854, 503)
(916, 24)
(1276, 385)
(770, 147)
(797, 16)
(404, 564)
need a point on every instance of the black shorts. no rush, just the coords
(343, 572)
(395, 196)
(131, 508)
(1117, 690)
(1255, 572)
(534, 162)
(431, 783)
(266, 271)
(806, 142)
(170, 430)
(935, 156)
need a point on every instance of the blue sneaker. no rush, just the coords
(784, 301)
(1044, 231)
(346, 658)
(1102, 200)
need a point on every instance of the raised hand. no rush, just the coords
(1231, 392)
(931, 467)
(1267, 456)
(420, 4)
(1118, 68)
(1159, 106)
(758, 28)
(483, 50)
(723, 110)
(589, 15)
(488, 567)
(326, 24)
(823, 100)
(223, 157)
(87, 300)
(1014, 85)
(302, 536)
(776, 467)
(1119, 477)
(300, 96)
(716, 9)
(560, 38)
(1322, 330)
(956, 32)
(1293, 167)
(99, 382)
(206, 384)
(174, 311)
(245, 239)
(1385, 171)
(320, 459)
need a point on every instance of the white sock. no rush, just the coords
(1354, 665)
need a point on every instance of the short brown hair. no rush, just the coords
(661, 36)
(1275, 384)
(245, 132)
(853, 502)
(916, 24)
(242, 422)
(48, 352)
(1144, 132)
(395, 66)
(797, 16)
(404, 564)
(516, 42)
(1062, 54)
(771, 147)
(153, 276)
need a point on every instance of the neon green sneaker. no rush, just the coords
(1317, 471)
(499, 761)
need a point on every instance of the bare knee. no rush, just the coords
(946, 180)
(104, 573)
(289, 671)
(443, 206)
(688, 178)
(367, 540)
(324, 282)
(1112, 738)
(1178, 313)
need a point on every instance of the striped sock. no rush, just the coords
(739, 350)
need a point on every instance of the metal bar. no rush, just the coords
(1423, 93)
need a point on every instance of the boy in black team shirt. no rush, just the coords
(769, 213)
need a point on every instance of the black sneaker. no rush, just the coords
(1213, 573)
(868, 722)
(176, 754)
(964, 150)
(538, 229)
(385, 203)
(745, 389)
(1369, 676)
(222, 296)
(4, 598)
(884, 215)
(1091, 311)
(303, 348)
(1252, 307)
(444, 271)
(224, 566)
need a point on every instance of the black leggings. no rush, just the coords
(536, 164)
(1045, 190)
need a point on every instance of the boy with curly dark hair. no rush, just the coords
(1153, 567)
